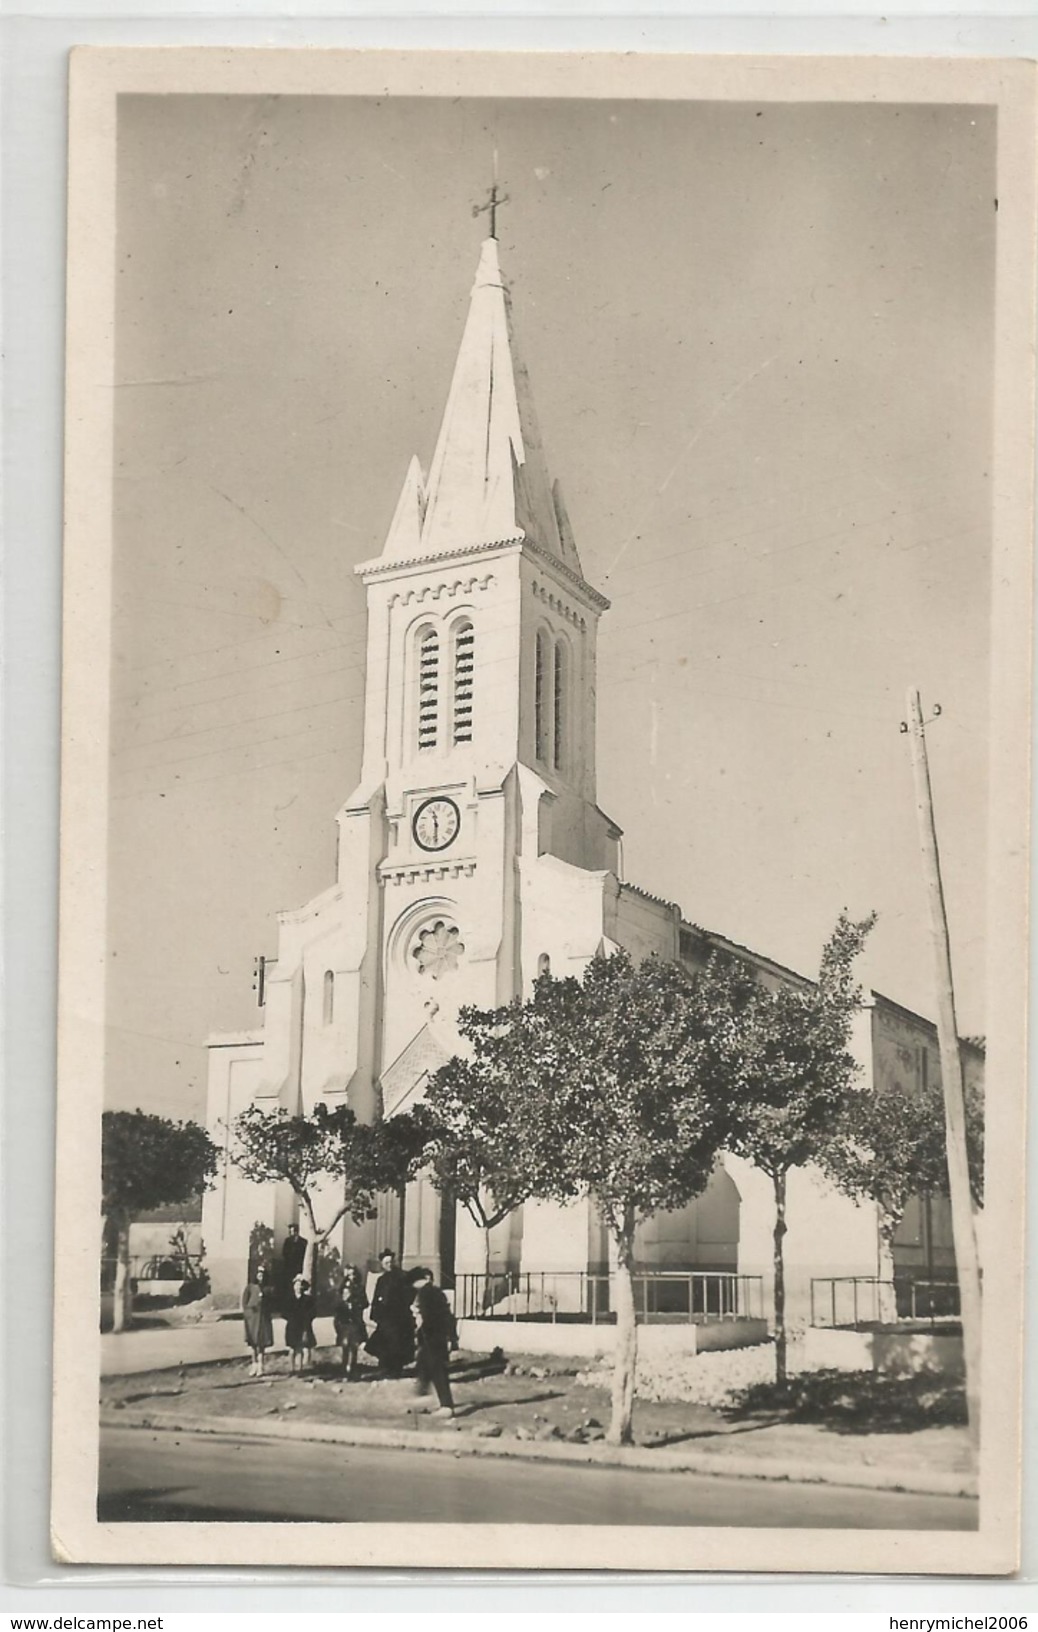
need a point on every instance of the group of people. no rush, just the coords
(413, 1320)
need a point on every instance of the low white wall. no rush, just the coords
(826, 1348)
(575, 1338)
(901, 1354)
(894, 1352)
(721, 1334)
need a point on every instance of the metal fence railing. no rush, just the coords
(851, 1301)
(574, 1295)
(155, 1268)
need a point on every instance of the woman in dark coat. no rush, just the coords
(350, 1330)
(392, 1342)
(299, 1324)
(256, 1302)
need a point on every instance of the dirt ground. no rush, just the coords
(541, 1400)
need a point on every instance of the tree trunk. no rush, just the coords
(310, 1256)
(779, 1181)
(626, 1358)
(122, 1309)
(488, 1297)
(402, 1225)
(886, 1292)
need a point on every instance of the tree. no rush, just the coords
(891, 1145)
(795, 1079)
(306, 1152)
(146, 1162)
(614, 1085)
(476, 1150)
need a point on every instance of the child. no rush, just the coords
(299, 1327)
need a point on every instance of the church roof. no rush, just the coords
(488, 482)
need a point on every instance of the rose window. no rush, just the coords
(438, 950)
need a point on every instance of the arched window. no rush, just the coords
(544, 964)
(428, 687)
(328, 1012)
(464, 677)
(542, 658)
(559, 745)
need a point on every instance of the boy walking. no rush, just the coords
(437, 1336)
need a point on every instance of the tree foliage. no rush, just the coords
(614, 1085)
(475, 1149)
(797, 1068)
(892, 1145)
(328, 1146)
(796, 1079)
(147, 1161)
(623, 1076)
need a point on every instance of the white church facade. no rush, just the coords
(472, 855)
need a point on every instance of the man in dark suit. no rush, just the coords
(437, 1336)
(293, 1257)
(293, 1253)
(392, 1341)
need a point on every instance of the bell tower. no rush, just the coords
(472, 854)
(479, 722)
(481, 625)
(479, 561)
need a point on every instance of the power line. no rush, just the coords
(854, 526)
(226, 750)
(155, 1037)
(223, 776)
(245, 668)
(232, 587)
(227, 725)
(227, 697)
(789, 583)
(223, 646)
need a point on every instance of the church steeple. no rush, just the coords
(481, 625)
(404, 539)
(488, 483)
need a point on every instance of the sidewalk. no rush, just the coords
(535, 1411)
(450, 1438)
(123, 1354)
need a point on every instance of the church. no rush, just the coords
(473, 856)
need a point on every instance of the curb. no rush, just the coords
(595, 1454)
(113, 1364)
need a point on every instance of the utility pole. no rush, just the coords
(963, 1231)
(495, 199)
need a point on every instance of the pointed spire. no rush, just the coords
(404, 539)
(566, 539)
(488, 481)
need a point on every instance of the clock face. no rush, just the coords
(436, 823)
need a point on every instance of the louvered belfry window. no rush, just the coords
(464, 681)
(540, 686)
(428, 687)
(558, 747)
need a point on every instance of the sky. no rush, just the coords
(760, 341)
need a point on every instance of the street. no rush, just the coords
(171, 1475)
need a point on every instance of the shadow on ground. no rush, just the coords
(159, 1506)
(854, 1402)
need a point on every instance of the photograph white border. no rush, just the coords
(97, 77)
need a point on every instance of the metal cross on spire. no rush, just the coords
(494, 200)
